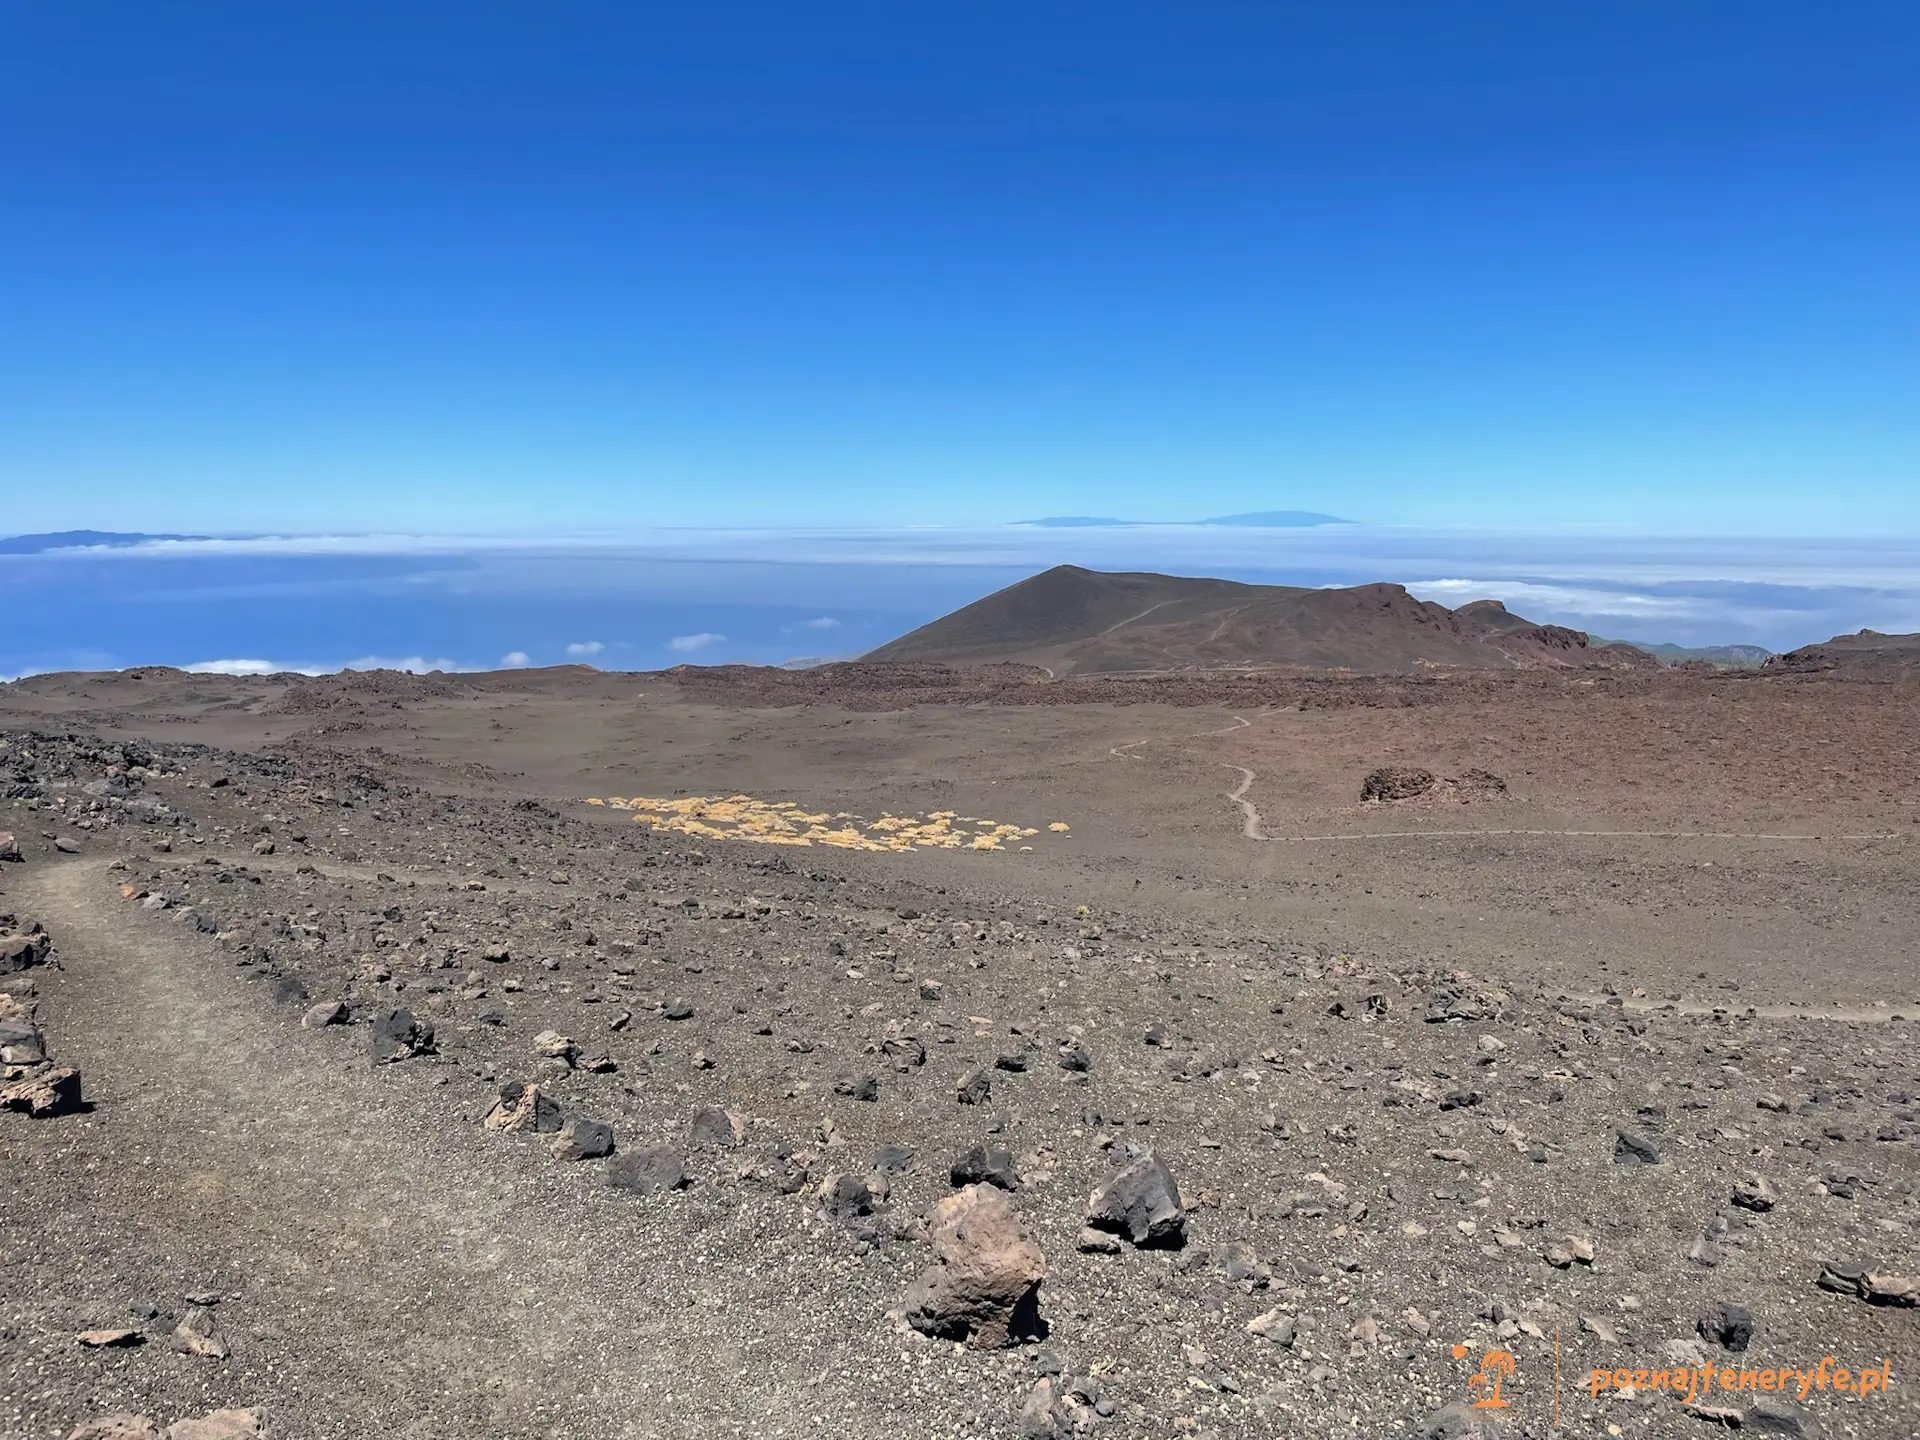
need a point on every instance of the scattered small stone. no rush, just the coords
(524, 1110)
(399, 1035)
(552, 1045)
(198, 1333)
(21, 1043)
(1057, 1411)
(858, 1087)
(1460, 1421)
(846, 1197)
(110, 1339)
(985, 1164)
(1277, 1325)
(1754, 1193)
(1632, 1149)
(647, 1171)
(1865, 1279)
(583, 1139)
(714, 1126)
(327, 1012)
(1727, 1325)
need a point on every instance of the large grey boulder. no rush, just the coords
(1141, 1202)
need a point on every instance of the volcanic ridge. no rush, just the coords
(1070, 620)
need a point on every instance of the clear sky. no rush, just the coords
(524, 267)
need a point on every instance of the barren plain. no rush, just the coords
(422, 1096)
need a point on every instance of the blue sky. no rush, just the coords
(514, 268)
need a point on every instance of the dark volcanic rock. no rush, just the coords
(21, 1043)
(714, 1126)
(1141, 1202)
(1755, 1194)
(1395, 782)
(846, 1197)
(1727, 1325)
(858, 1087)
(1632, 1149)
(647, 1171)
(986, 1164)
(583, 1139)
(399, 1035)
(22, 952)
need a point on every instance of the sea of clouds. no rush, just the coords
(319, 603)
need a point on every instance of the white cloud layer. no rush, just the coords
(515, 660)
(418, 664)
(1379, 551)
(245, 667)
(687, 644)
(585, 647)
(825, 622)
(1520, 595)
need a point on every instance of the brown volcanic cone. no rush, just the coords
(1075, 621)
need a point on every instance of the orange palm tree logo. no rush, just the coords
(1495, 1368)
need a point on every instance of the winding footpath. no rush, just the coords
(1249, 812)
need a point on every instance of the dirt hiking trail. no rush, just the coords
(397, 1261)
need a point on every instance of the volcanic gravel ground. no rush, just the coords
(1378, 1157)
